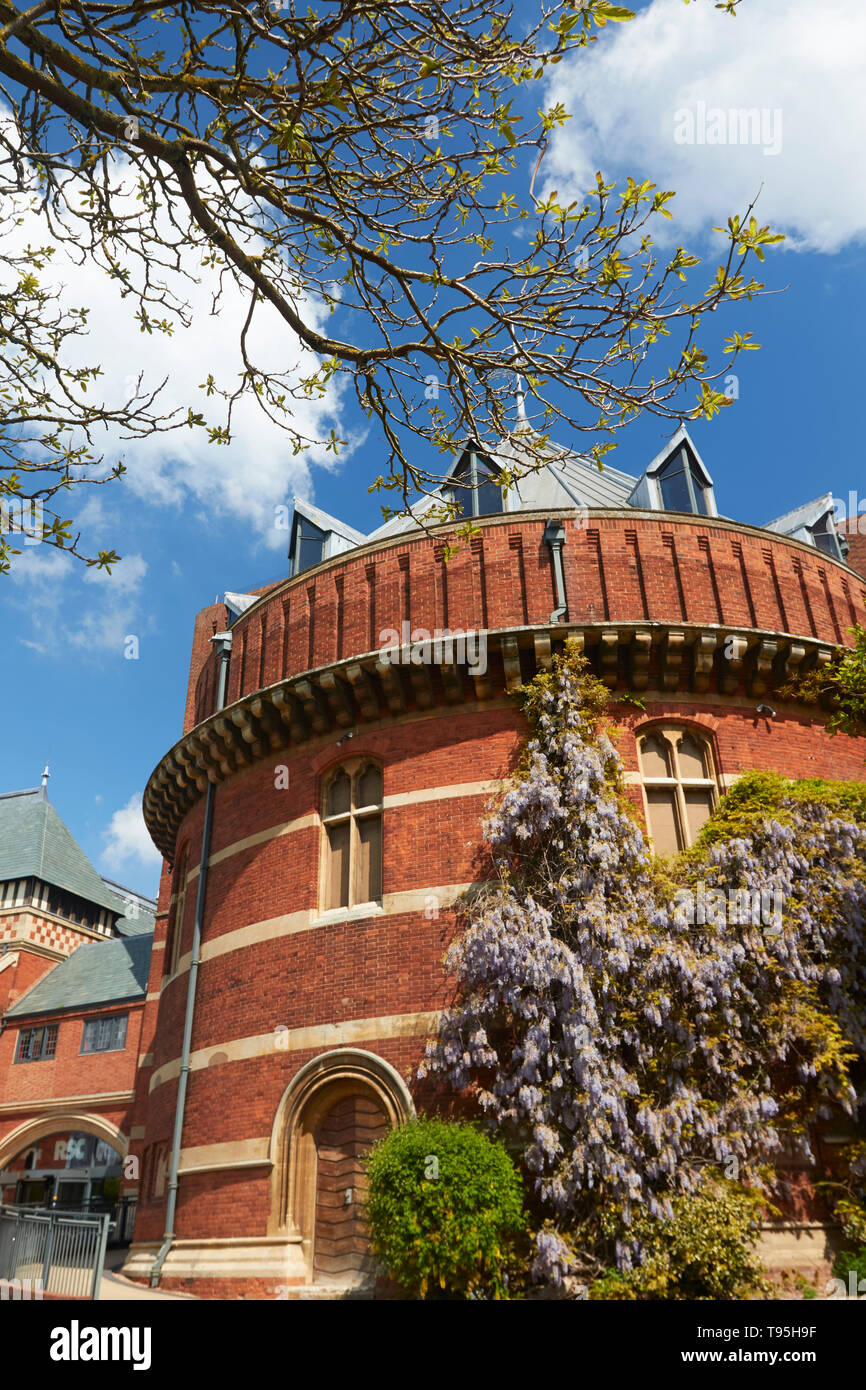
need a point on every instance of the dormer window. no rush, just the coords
(308, 544)
(826, 538)
(474, 488)
(681, 486)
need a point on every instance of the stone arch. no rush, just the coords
(29, 1131)
(316, 1088)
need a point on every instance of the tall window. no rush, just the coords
(352, 871)
(681, 485)
(679, 785)
(174, 936)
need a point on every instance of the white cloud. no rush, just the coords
(125, 576)
(789, 56)
(181, 469)
(95, 620)
(127, 842)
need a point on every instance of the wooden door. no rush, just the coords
(341, 1245)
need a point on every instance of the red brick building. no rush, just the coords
(74, 959)
(337, 754)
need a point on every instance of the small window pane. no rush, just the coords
(309, 545)
(339, 794)
(691, 756)
(675, 492)
(826, 542)
(337, 892)
(463, 496)
(368, 880)
(369, 789)
(699, 807)
(489, 495)
(663, 821)
(655, 757)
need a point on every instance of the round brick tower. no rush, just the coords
(347, 786)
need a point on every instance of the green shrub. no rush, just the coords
(445, 1207)
(852, 1216)
(848, 1262)
(705, 1251)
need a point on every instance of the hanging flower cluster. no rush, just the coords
(623, 1050)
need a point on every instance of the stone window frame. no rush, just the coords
(354, 816)
(673, 735)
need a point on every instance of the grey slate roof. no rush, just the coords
(139, 912)
(142, 925)
(107, 972)
(34, 843)
(567, 480)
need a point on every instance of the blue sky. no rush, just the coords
(193, 521)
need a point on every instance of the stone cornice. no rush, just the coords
(95, 1101)
(365, 691)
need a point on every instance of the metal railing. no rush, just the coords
(125, 1221)
(64, 1251)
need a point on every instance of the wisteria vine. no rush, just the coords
(625, 1052)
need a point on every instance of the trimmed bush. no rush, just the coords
(445, 1207)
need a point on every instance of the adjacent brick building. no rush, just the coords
(337, 759)
(74, 960)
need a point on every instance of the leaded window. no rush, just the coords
(37, 1044)
(352, 826)
(679, 785)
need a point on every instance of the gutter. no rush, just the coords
(554, 537)
(223, 641)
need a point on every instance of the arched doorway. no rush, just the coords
(344, 1134)
(332, 1113)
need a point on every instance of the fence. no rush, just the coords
(65, 1251)
(124, 1221)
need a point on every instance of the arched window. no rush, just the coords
(679, 785)
(352, 843)
(174, 935)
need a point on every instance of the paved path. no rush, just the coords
(114, 1286)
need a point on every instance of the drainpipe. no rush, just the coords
(554, 536)
(223, 641)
